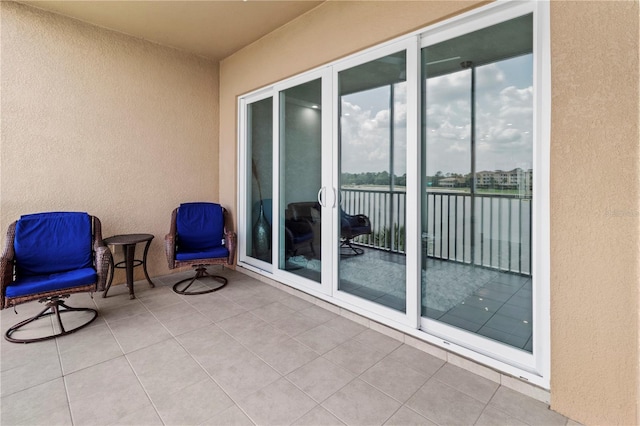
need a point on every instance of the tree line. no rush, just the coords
(373, 178)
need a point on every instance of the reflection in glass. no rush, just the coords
(477, 182)
(301, 178)
(260, 192)
(372, 181)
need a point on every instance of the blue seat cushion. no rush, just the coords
(57, 281)
(200, 227)
(211, 253)
(51, 243)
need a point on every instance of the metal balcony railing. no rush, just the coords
(489, 230)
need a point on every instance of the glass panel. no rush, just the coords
(260, 191)
(373, 143)
(477, 182)
(301, 179)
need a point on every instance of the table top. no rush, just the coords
(125, 239)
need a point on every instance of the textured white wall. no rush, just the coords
(96, 121)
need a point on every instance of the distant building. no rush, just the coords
(512, 179)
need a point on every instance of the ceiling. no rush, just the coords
(212, 29)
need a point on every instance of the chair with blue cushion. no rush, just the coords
(199, 237)
(48, 257)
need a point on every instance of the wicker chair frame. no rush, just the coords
(199, 265)
(52, 299)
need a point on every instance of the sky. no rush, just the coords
(504, 120)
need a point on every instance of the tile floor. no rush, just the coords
(247, 354)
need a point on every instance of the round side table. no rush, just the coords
(128, 243)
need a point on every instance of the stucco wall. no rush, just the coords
(594, 211)
(96, 121)
(595, 222)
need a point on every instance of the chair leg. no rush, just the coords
(346, 244)
(53, 305)
(201, 272)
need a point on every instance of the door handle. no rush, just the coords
(335, 197)
(320, 193)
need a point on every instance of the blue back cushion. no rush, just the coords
(200, 226)
(49, 243)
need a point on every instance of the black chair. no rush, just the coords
(199, 237)
(301, 226)
(48, 257)
(352, 226)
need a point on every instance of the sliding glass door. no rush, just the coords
(258, 220)
(300, 171)
(407, 183)
(477, 182)
(372, 180)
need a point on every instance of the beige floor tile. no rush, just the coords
(524, 408)
(146, 416)
(232, 416)
(255, 300)
(237, 290)
(188, 323)
(320, 378)
(118, 311)
(492, 416)
(244, 378)
(165, 367)
(395, 379)
(138, 332)
(29, 365)
(270, 291)
(89, 347)
(286, 356)
(320, 315)
(443, 404)
(295, 303)
(13, 355)
(213, 349)
(42, 327)
(378, 341)
(240, 323)
(216, 307)
(104, 393)
(361, 404)
(272, 312)
(354, 356)
(37, 405)
(194, 365)
(407, 417)
(158, 298)
(321, 338)
(192, 405)
(417, 360)
(261, 336)
(466, 382)
(75, 319)
(166, 314)
(279, 403)
(345, 326)
(318, 416)
(295, 324)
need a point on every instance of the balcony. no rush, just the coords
(476, 269)
(251, 353)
